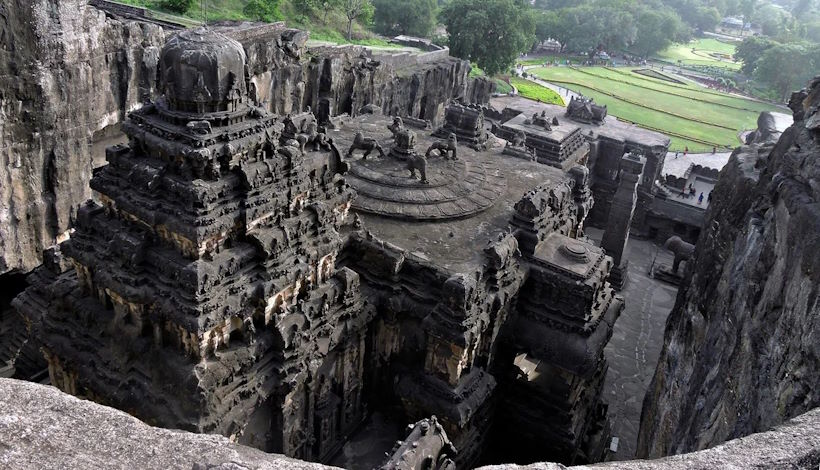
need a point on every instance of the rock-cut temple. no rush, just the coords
(279, 279)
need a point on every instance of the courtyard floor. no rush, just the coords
(636, 341)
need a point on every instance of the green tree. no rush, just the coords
(262, 10)
(413, 17)
(706, 18)
(811, 31)
(586, 28)
(361, 10)
(750, 50)
(176, 6)
(490, 32)
(787, 67)
(552, 25)
(802, 7)
(748, 8)
(657, 29)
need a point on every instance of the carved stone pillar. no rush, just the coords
(621, 210)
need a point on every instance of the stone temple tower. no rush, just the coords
(204, 293)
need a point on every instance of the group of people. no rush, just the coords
(690, 191)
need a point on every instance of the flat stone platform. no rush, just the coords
(467, 203)
(612, 127)
(385, 187)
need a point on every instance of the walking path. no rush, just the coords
(636, 343)
(565, 93)
(677, 166)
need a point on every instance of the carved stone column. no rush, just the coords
(622, 208)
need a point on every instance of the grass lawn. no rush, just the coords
(501, 86)
(536, 92)
(654, 103)
(700, 52)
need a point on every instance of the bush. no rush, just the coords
(176, 6)
(262, 10)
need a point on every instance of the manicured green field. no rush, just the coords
(701, 52)
(536, 92)
(691, 115)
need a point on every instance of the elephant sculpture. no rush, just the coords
(682, 250)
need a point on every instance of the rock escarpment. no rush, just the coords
(68, 73)
(742, 345)
(72, 72)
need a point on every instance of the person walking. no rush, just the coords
(700, 199)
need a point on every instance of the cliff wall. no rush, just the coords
(68, 74)
(71, 72)
(742, 345)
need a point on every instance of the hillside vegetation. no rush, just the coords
(325, 24)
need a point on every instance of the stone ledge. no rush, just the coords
(41, 427)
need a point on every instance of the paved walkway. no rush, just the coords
(566, 94)
(636, 341)
(677, 166)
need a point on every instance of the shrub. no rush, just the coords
(176, 6)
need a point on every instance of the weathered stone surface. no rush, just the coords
(74, 72)
(218, 287)
(68, 73)
(742, 345)
(41, 427)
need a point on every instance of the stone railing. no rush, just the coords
(42, 427)
(132, 12)
(411, 59)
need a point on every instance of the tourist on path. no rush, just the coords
(700, 199)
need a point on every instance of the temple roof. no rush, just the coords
(201, 71)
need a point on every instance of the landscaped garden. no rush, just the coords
(536, 92)
(704, 52)
(693, 116)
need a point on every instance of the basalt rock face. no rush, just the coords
(73, 72)
(742, 344)
(68, 73)
(37, 417)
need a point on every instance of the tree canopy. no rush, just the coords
(176, 6)
(262, 10)
(490, 32)
(356, 10)
(614, 25)
(787, 67)
(412, 17)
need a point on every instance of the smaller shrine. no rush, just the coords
(467, 123)
(544, 139)
(584, 110)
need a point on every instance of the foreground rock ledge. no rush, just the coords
(41, 427)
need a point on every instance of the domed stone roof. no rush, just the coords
(202, 71)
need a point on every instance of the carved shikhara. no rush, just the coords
(219, 285)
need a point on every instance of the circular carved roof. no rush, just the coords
(575, 251)
(455, 188)
(202, 71)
